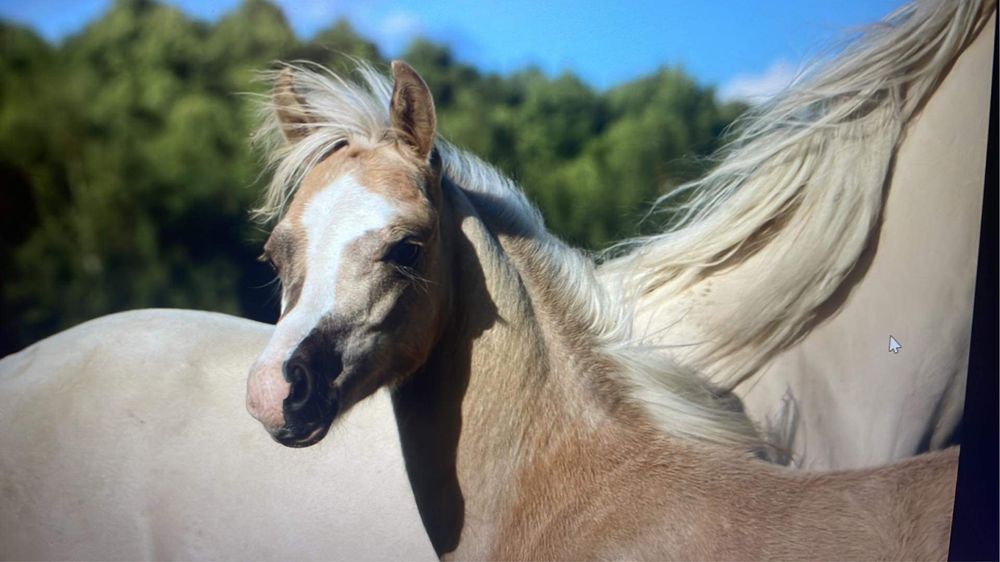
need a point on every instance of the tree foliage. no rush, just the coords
(127, 176)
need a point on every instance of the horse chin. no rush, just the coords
(343, 395)
(313, 437)
(306, 435)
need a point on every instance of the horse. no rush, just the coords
(126, 438)
(846, 212)
(410, 265)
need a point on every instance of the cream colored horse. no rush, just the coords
(846, 213)
(126, 438)
(410, 265)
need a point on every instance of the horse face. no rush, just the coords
(363, 274)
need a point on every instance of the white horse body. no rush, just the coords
(827, 389)
(127, 438)
(859, 404)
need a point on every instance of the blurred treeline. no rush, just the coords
(127, 176)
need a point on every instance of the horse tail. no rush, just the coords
(794, 199)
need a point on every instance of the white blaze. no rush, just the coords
(339, 214)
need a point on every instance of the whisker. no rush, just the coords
(275, 281)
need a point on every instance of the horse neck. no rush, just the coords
(505, 385)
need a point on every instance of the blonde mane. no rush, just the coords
(800, 190)
(680, 402)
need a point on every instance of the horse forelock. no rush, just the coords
(339, 108)
(336, 110)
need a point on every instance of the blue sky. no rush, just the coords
(745, 47)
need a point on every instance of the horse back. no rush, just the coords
(127, 438)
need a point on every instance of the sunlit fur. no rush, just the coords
(798, 191)
(341, 109)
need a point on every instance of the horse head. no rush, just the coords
(361, 259)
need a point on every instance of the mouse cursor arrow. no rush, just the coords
(894, 345)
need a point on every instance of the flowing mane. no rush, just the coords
(797, 195)
(356, 111)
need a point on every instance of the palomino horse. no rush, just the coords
(409, 265)
(126, 438)
(847, 212)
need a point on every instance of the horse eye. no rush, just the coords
(404, 253)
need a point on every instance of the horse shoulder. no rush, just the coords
(898, 511)
(666, 498)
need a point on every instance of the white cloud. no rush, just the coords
(401, 23)
(396, 30)
(311, 16)
(322, 10)
(755, 88)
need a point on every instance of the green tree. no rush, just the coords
(127, 176)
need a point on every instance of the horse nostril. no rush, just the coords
(301, 384)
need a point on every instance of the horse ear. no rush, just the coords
(290, 107)
(412, 109)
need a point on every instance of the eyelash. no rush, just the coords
(404, 254)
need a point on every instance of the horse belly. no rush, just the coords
(127, 438)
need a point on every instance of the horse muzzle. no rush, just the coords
(312, 401)
(302, 435)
